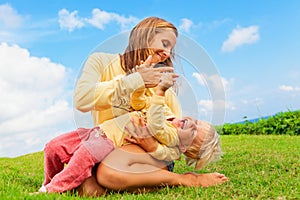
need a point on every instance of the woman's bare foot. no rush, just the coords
(91, 188)
(211, 179)
(205, 180)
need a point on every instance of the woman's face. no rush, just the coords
(162, 44)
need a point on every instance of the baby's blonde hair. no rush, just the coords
(201, 153)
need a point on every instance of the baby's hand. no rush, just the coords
(167, 80)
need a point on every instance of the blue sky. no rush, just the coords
(252, 48)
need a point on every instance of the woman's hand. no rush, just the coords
(141, 136)
(151, 75)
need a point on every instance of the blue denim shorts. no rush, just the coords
(170, 166)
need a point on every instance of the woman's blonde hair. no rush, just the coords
(201, 153)
(138, 48)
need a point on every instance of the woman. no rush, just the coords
(111, 85)
(107, 83)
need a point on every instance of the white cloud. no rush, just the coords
(68, 20)
(216, 106)
(217, 23)
(207, 105)
(215, 109)
(217, 86)
(10, 21)
(9, 18)
(288, 88)
(241, 36)
(216, 81)
(200, 78)
(34, 101)
(100, 18)
(71, 20)
(185, 25)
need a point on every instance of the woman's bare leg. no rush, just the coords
(90, 186)
(124, 170)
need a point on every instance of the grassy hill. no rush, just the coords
(259, 167)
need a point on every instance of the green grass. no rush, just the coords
(259, 167)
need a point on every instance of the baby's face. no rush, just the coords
(184, 123)
(187, 129)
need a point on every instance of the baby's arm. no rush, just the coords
(142, 137)
(159, 127)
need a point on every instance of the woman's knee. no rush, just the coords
(110, 178)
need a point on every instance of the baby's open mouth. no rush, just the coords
(183, 123)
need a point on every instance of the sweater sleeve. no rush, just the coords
(159, 127)
(173, 103)
(93, 94)
(138, 99)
